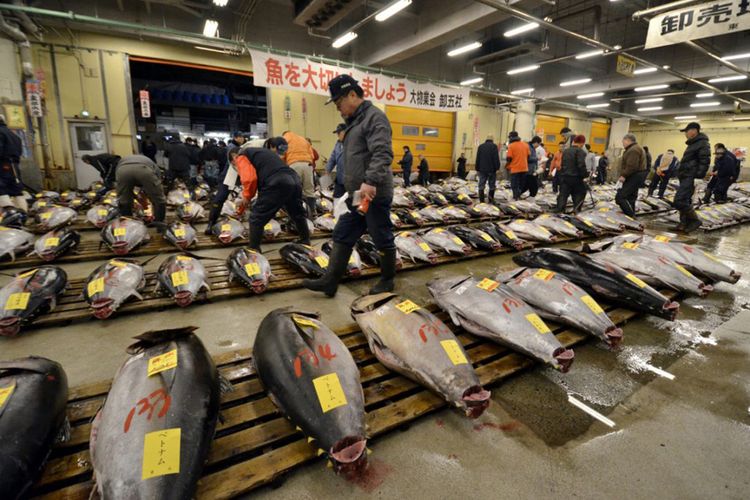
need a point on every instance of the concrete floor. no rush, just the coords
(686, 438)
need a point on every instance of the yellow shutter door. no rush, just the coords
(599, 137)
(429, 133)
(548, 128)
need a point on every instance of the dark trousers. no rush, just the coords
(601, 175)
(660, 181)
(461, 173)
(683, 199)
(10, 179)
(721, 188)
(377, 222)
(183, 175)
(627, 195)
(281, 191)
(517, 184)
(407, 176)
(556, 183)
(424, 177)
(338, 190)
(571, 186)
(489, 179)
(531, 185)
(130, 176)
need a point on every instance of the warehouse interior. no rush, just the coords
(664, 413)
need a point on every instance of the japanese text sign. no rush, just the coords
(699, 21)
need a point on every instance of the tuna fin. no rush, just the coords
(52, 303)
(369, 302)
(156, 337)
(63, 435)
(94, 495)
(225, 385)
(505, 277)
(206, 286)
(137, 294)
(454, 316)
(384, 354)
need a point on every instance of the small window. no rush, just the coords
(550, 138)
(420, 147)
(600, 140)
(430, 132)
(409, 130)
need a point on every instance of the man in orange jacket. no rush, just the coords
(300, 157)
(517, 163)
(556, 166)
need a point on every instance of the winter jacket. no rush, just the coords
(633, 160)
(424, 168)
(488, 158)
(337, 161)
(556, 164)
(139, 160)
(368, 153)
(407, 161)
(518, 157)
(603, 163)
(299, 151)
(180, 157)
(11, 147)
(696, 158)
(574, 163)
(533, 160)
(106, 165)
(256, 167)
(672, 166)
(209, 153)
(726, 166)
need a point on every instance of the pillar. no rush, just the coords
(525, 118)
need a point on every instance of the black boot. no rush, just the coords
(310, 207)
(683, 220)
(303, 231)
(255, 237)
(481, 196)
(693, 222)
(213, 216)
(387, 272)
(491, 197)
(337, 263)
(707, 196)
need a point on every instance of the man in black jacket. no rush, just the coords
(723, 174)
(694, 165)
(11, 149)
(105, 164)
(572, 175)
(461, 166)
(180, 158)
(487, 165)
(406, 163)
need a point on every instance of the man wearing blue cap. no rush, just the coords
(368, 155)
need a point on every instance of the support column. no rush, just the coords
(619, 127)
(525, 118)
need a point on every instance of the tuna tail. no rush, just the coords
(156, 337)
(614, 337)
(63, 435)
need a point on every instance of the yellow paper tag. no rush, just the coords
(322, 260)
(26, 274)
(683, 270)
(268, 227)
(514, 207)
(407, 306)
(611, 220)
(415, 215)
(5, 393)
(485, 236)
(438, 230)
(226, 227)
(630, 246)
(96, 286)
(487, 284)
(711, 257)
(17, 301)
(330, 393)
(51, 242)
(510, 234)
(604, 210)
(637, 281)
(425, 247)
(544, 274)
(595, 308)
(252, 269)
(161, 453)
(117, 263)
(545, 216)
(180, 278)
(186, 196)
(458, 241)
(101, 212)
(3, 228)
(162, 362)
(662, 239)
(180, 233)
(42, 203)
(540, 325)
(587, 223)
(302, 321)
(454, 352)
(120, 231)
(46, 215)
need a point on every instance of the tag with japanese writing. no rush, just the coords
(569, 224)
(587, 223)
(488, 284)
(544, 275)
(330, 393)
(640, 283)
(186, 196)
(42, 203)
(180, 232)
(120, 231)
(17, 301)
(485, 236)
(510, 234)
(5, 393)
(662, 239)
(407, 306)
(226, 227)
(162, 362)
(611, 220)
(161, 453)
(630, 246)
(252, 269)
(95, 286)
(322, 260)
(51, 242)
(184, 258)
(604, 210)
(180, 278)
(540, 325)
(458, 241)
(101, 212)
(302, 321)
(438, 230)
(268, 227)
(117, 263)
(591, 303)
(454, 352)
(425, 247)
(415, 215)
(46, 215)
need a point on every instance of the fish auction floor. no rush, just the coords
(681, 438)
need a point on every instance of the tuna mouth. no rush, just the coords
(182, 244)
(259, 286)
(47, 255)
(102, 308)
(669, 310)
(9, 327)
(120, 247)
(183, 298)
(355, 272)
(476, 399)
(564, 358)
(518, 245)
(496, 247)
(467, 250)
(432, 258)
(705, 289)
(614, 337)
(225, 238)
(349, 456)
(734, 277)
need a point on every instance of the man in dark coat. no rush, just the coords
(406, 163)
(723, 175)
(694, 165)
(572, 175)
(487, 165)
(461, 166)
(632, 174)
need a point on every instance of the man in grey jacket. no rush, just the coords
(368, 155)
(138, 170)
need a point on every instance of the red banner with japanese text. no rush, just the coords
(298, 73)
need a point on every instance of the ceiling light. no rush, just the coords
(652, 108)
(524, 69)
(736, 56)
(727, 78)
(704, 95)
(520, 29)
(617, 47)
(652, 87)
(465, 48)
(392, 9)
(643, 71)
(686, 117)
(600, 105)
(586, 55)
(646, 101)
(704, 104)
(666, 66)
(211, 28)
(570, 83)
(523, 91)
(590, 96)
(221, 3)
(344, 39)
(471, 81)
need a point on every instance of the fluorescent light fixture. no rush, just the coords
(221, 3)
(646, 101)
(686, 117)
(525, 69)
(704, 104)
(600, 105)
(211, 28)
(617, 47)
(523, 91)
(521, 29)
(651, 108)
(570, 83)
(652, 87)
(590, 96)
(736, 56)
(593, 53)
(464, 49)
(344, 39)
(392, 9)
(643, 71)
(704, 95)
(727, 78)
(211, 49)
(471, 81)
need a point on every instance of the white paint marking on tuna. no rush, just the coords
(587, 409)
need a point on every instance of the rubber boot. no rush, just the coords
(255, 237)
(481, 196)
(707, 196)
(310, 207)
(491, 197)
(693, 222)
(303, 231)
(213, 216)
(683, 220)
(160, 215)
(337, 262)
(387, 272)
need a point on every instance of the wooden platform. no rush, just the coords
(255, 444)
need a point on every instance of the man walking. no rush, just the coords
(572, 175)
(424, 171)
(665, 167)
(723, 175)
(518, 163)
(632, 174)
(694, 165)
(406, 163)
(531, 184)
(601, 169)
(487, 165)
(11, 149)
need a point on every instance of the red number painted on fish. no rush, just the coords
(149, 404)
(510, 302)
(568, 288)
(325, 352)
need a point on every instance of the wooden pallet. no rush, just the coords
(254, 445)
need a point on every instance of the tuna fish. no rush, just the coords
(228, 229)
(395, 220)
(415, 248)
(323, 205)
(503, 234)
(607, 281)
(56, 243)
(458, 198)
(305, 258)
(183, 278)
(111, 284)
(488, 310)
(602, 221)
(354, 266)
(558, 299)
(438, 199)
(28, 295)
(55, 217)
(454, 213)
(123, 235)
(410, 340)
(12, 217)
(190, 211)
(272, 230)
(151, 438)
(33, 395)
(251, 268)
(312, 378)
(181, 235)
(431, 214)
(446, 241)
(178, 196)
(528, 230)
(50, 195)
(476, 238)
(369, 253)
(99, 215)
(200, 193)
(486, 210)
(558, 225)
(412, 217)
(325, 222)
(40, 205)
(79, 204)
(582, 225)
(619, 217)
(230, 209)
(14, 241)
